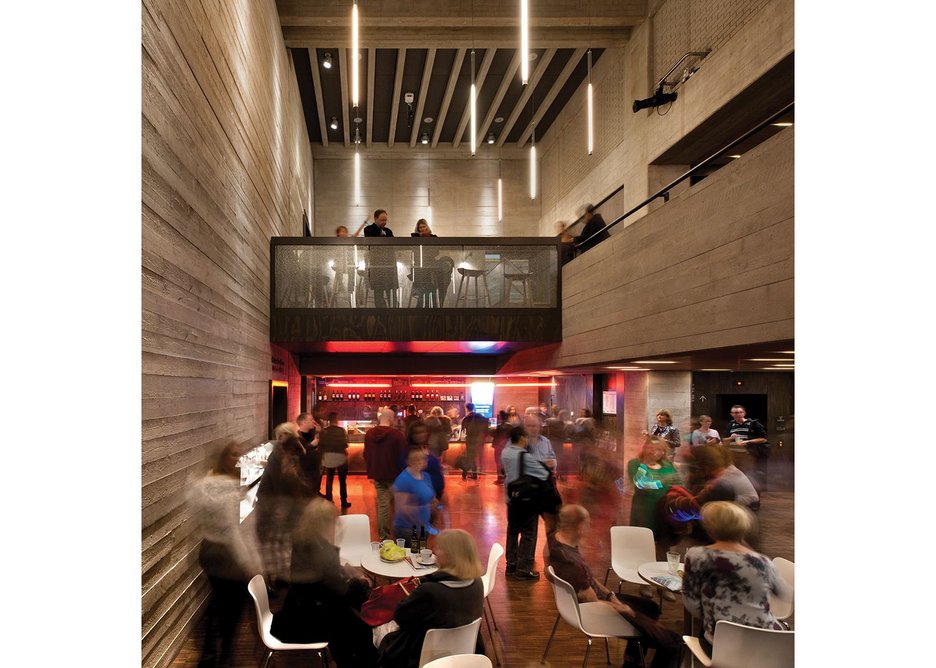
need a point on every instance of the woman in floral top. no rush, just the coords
(727, 579)
(665, 431)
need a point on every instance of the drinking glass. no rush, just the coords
(672, 561)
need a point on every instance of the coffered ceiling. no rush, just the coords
(425, 48)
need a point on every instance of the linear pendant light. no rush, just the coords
(524, 42)
(500, 195)
(591, 108)
(474, 107)
(355, 78)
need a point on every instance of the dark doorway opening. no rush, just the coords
(755, 406)
(277, 404)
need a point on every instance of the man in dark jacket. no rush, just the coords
(383, 448)
(476, 432)
(594, 223)
(382, 263)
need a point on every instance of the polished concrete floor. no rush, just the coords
(525, 612)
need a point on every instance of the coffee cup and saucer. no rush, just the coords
(426, 557)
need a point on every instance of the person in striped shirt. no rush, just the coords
(751, 435)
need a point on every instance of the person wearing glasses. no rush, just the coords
(382, 264)
(752, 436)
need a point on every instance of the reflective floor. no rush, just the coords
(525, 612)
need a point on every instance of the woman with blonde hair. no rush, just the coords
(452, 596)
(727, 579)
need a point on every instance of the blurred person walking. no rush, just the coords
(500, 437)
(476, 428)
(594, 225)
(228, 555)
(384, 445)
(752, 436)
(440, 431)
(333, 442)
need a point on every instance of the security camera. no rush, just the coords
(408, 98)
(659, 98)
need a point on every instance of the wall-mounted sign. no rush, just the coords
(609, 402)
(278, 363)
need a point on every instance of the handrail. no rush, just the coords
(664, 191)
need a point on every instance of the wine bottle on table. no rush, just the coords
(423, 539)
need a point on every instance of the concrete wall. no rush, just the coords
(226, 165)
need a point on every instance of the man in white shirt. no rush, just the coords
(522, 522)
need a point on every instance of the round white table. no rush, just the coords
(372, 563)
(647, 570)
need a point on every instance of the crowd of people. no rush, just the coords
(294, 546)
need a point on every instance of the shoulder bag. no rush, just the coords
(382, 603)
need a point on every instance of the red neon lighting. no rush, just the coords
(357, 385)
(524, 384)
(438, 384)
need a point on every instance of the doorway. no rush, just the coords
(278, 405)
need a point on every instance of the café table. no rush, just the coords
(650, 569)
(372, 563)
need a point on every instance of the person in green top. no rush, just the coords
(651, 473)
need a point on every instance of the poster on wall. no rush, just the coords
(609, 402)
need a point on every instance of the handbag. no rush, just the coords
(382, 603)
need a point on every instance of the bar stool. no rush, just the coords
(424, 287)
(364, 285)
(525, 286)
(346, 276)
(472, 275)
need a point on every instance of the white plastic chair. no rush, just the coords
(630, 547)
(446, 642)
(461, 661)
(740, 646)
(352, 536)
(595, 619)
(488, 580)
(258, 591)
(782, 609)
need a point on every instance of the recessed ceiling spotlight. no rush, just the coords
(358, 119)
(499, 119)
(654, 362)
(425, 138)
(768, 359)
(428, 119)
(533, 56)
(334, 123)
(491, 138)
(327, 61)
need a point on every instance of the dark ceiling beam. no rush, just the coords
(343, 83)
(395, 100)
(371, 68)
(319, 103)
(535, 77)
(543, 107)
(421, 102)
(499, 96)
(447, 99)
(479, 82)
(570, 37)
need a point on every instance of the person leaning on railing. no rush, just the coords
(594, 225)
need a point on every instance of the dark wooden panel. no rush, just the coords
(291, 326)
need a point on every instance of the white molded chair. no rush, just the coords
(461, 661)
(352, 536)
(258, 591)
(596, 619)
(740, 646)
(439, 643)
(630, 547)
(488, 580)
(782, 609)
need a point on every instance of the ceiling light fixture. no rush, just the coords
(654, 362)
(474, 107)
(357, 178)
(781, 125)
(355, 57)
(769, 359)
(334, 123)
(490, 138)
(533, 167)
(591, 108)
(500, 196)
(327, 61)
(425, 138)
(524, 42)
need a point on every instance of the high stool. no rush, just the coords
(424, 287)
(525, 286)
(342, 275)
(365, 287)
(472, 275)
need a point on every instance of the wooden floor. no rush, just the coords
(525, 611)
